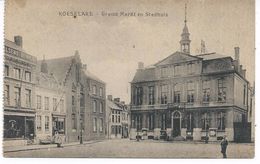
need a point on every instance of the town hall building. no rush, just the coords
(189, 97)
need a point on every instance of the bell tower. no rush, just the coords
(185, 36)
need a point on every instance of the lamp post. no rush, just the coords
(81, 128)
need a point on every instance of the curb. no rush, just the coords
(50, 146)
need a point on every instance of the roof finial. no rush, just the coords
(185, 13)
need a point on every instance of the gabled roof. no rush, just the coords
(57, 66)
(92, 76)
(177, 57)
(112, 105)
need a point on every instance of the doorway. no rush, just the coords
(176, 124)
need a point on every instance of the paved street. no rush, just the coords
(147, 149)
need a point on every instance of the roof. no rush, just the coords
(142, 75)
(58, 66)
(92, 76)
(177, 57)
(212, 56)
(112, 105)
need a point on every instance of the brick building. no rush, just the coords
(189, 96)
(83, 94)
(19, 93)
(50, 105)
(117, 118)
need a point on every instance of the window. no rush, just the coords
(39, 102)
(100, 107)
(74, 121)
(118, 117)
(94, 124)
(82, 100)
(190, 122)
(163, 122)
(205, 121)
(221, 121)
(244, 95)
(177, 96)
(73, 100)
(164, 94)
(190, 92)
(7, 95)
(164, 72)
(206, 90)
(94, 88)
(47, 123)
(151, 95)
(113, 116)
(62, 105)
(139, 95)
(94, 106)
(39, 123)
(177, 93)
(101, 125)
(28, 76)
(177, 70)
(101, 92)
(221, 90)
(55, 105)
(138, 122)
(6, 70)
(17, 98)
(17, 73)
(46, 103)
(28, 98)
(190, 68)
(150, 121)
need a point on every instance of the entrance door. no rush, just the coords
(176, 124)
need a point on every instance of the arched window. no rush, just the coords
(94, 106)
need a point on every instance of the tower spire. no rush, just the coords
(185, 36)
(185, 21)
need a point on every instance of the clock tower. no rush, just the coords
(185, 36)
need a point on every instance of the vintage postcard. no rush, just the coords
(129, 79)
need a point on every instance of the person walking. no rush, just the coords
(57, 139)
(224, 144)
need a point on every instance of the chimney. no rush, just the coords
(237, 54)
(117, 100)
(110, 97)
(18, 40)
(140, 65)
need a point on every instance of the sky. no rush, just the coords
(112, 46)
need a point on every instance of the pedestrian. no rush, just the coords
(224, 144)
(57, 139)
